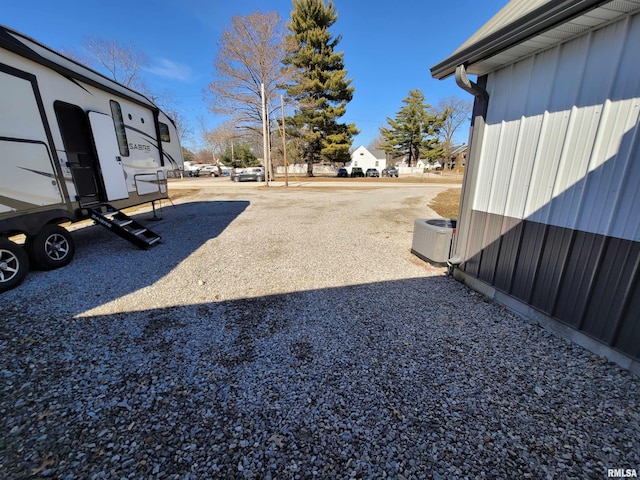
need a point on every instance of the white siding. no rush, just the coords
(561, 142)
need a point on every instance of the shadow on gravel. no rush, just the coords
(416, 378)
(183, 227)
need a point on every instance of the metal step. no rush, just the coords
(123, 225)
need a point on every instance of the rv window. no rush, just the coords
(164, 132)
(118, 122)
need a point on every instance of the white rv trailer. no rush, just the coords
(73, 145)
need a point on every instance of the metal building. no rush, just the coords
(550, 214)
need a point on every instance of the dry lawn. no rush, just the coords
(446, 203)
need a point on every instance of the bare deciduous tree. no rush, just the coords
(376, 143)
(458, 112)
(122, 62)
(250, 53)
(220, 138)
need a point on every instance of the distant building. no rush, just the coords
(363, 158)
(457, 158)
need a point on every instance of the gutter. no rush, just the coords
(543, 18)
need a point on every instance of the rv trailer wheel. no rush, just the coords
(14, 264)
(52, 248)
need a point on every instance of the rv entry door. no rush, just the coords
(104, 135)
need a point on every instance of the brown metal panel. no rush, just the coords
(474, 243)
(509, 247)
(553, 260)
(608, 299)
(628, 338)
(528, 259)
(578, 276)
(490, 247)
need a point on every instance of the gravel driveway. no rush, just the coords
(289, 333)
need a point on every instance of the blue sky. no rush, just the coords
(388, 46)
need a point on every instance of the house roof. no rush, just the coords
(524, 27)
(457, 150)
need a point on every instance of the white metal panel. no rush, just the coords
(626, 217)
(605, 49)
(104, 135)
(537, 98)
(627, 80)
(569, 185)
(486, 166)
(609, 163)
(560, 69)
(561, 142)
(496, 115)
(545, 168)
(625, 222)
(510, 136)
(504, 166)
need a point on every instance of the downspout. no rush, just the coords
(468, 86)
(476, 134)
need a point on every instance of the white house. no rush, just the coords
(363, 158)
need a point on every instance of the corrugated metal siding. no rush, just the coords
(508, 257)
(556, 213)
(553, 257)
(528, 259)
(560, 125)
(615, 274)
(573, 296)
(629, 336)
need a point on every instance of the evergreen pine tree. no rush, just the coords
(320, 89)
(414, 131)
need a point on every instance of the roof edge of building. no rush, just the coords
(545, 17)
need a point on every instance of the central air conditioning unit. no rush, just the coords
(432, 239)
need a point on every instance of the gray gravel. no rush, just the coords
(291, 334)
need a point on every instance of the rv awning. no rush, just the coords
(524, 27)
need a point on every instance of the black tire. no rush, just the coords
(14, 264)
(52, 248)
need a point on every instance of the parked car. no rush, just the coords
(357, 172)
(192, 170)
(343, 172)
(372, 172)
(211, 170)
(250, 174)
(390, 172)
